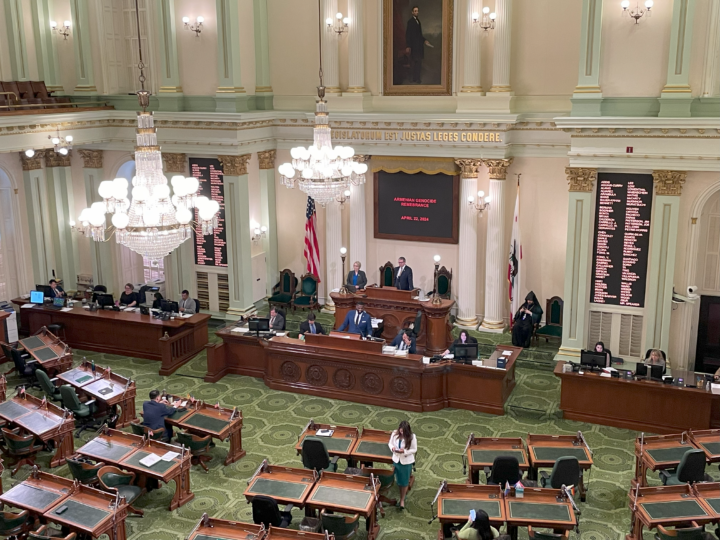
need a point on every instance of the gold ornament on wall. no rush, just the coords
(267, 159)
(33, 162)
(498, 168)
(174, 163)
(669, 182)
(235, 165)
(581, 178)
(53, 159)
(92, 159)
(469, 167)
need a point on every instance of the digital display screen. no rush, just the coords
(417, 207)
(210, 250)
(622, 239)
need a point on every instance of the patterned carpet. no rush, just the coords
(274, 419)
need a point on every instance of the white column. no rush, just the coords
(496, 250)
(587, 97)
(676, 96)
(356, 46)
(711, 69)
(473, 36)
(358, 233)
(333, 243)
(467, 275)
(330, 49)
(501, 46)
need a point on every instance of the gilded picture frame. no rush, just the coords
(417, 47)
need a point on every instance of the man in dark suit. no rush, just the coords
(310, 326)
(405, 341)
(356, 278)
(156, 410)
(403, 276)
(357, 321)
(277, 321)
(57, 290)
(415, 43)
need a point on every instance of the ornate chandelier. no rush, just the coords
(323, 172)
(153, 224)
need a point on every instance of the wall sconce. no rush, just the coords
(487, 21)
(64, 31)
(636, 13)
(197, 27)
(259, 233)
(343, 198)
(482, 204)
(340, 26)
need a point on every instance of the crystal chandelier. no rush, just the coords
(153, 224)
(323, 172)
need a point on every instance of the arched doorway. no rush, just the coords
(11, 284)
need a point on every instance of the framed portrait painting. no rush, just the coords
(417, 47)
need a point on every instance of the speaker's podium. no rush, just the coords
(397, 309)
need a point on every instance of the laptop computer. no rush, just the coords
(57, 303)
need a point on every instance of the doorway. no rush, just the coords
(707, 355)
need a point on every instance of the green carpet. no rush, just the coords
(274, 419)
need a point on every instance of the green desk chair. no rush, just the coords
(198, 446)
(12, 524)
(86, 473)
(47, 385)
(315, 456)
(265, 510)
(139, 429)
(114, 480)
(387, 275)
(84, 413)
(341, 526)
(694, 532)
(690, 470)
(20, 448)
(553, 320)
(307, 296)
(565, 471)
(46, 533)
(444, 283)
(283, 292)
(540, 535)
(387, 480)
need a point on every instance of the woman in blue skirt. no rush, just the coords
(403, 445)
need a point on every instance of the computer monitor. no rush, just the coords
(169, 306)
(259, 325)
(46, 290)
(466, 351)
(593, 359)
(59, 302)
(104, 299)
(656, 372)
(37, 297)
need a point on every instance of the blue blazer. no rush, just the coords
(404, 282)
(398, 340)
(154, 414)
(364, 328)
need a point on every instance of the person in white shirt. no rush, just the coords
(403, 445)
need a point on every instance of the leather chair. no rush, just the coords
(534, 534)
(58, 330)
(417, 325)
(307, 296)
(48, 385)
(504, 469)
(387, 480)
(694, 532)
(84, 413)
(197, 305)
(443, 278)
(139, 429)
(114, 480)
(315, 456)
(647, 355)
(198, 446)
(12, 524)
(46, 533)
(86, 473)
(566, 470)
(21, 449)
(25, 370)
(284, 291)
(265, 510)
(339, 525)
(387, 275)
(553, 320)
(691, 469)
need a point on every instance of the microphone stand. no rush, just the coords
(470, 440)
(567, 493)
(443, 487)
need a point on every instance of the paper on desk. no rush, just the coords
(449, 356)
(401, 353)
(150, 460)
(25, 306)
(186, 315)
(426, 359)
(507, 353)
(715, 388)
(66, 309)
(477, 363)
(605, 374)
(183, 403)
(240, 329)
(169, 456)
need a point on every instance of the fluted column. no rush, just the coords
(38, 217)
(358, 233)
(330, 49)
(501, 46)
(587, 97)
(268, 215)
(45, 51)
(61, 204)
(171, 93)
(676, 96)
(15, 31)
(496, 250)
(473, 38)
(230, 95)
(84, 72)
(333, 243)
(263, 87)
(356, 47)
(467, 276)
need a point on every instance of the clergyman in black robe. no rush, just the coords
(525, 319)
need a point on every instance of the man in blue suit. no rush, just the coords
(405, 341)
(156, 410)
(357, 321)
(403, 276)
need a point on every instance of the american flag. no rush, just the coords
(312, 250)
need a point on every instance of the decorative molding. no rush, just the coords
(290, 371)
(33, 163)
(344, 379)
(469, 167)
(669, 182)
(267, 159)
(174, 163)
(372, 383)
(235, 165)
(316, 375)
(581, 178)
(53, 159)
(498, 167)
(401, 388)
(92, 159)
(361, 158)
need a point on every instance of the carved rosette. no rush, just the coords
(372, 383)
(92, 159)
(497, 167)
(316, 375)
(32, 163)
(400, 387)
(174, 163)
(344, 379)
(53, 159)
(235, 165)
(669, 182)
(267, 159)
(469, 167)
(581, 178)
(290, 372)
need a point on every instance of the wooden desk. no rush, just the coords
(545, 450)
(396, 308)
(371, 446)
(287, 485)
(709, 493)
(3, 387)
(38, 493)
(636, 405)
(539, 507)
(222, 529)
(707, 440)
(659, 453)
(47, 422)
(172, 342)
(340, 444)
(481, 452)
(51, 353)
(3, 335)
(332, 367)
(454, 502)
(109, 389)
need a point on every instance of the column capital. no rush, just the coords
(361, 158)
(498, 167)
(174, 163)
(469, 167)
(32, 163)
(581, 178)
(267, 159)
(53, 159)
(235, 165)
(92, 159)
(669, 182)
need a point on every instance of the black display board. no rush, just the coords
(417, 207)
(210, 250)
(622, 239)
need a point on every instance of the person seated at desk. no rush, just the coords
(155, 411)
(277, 321)
(158, 299)
(525, 320)
(129, 297)
(356, 278)
(403, 276)
(463, 338)
(478, 529)
(186, 304)
(310, 326)
(357, 321)
(405, 342)
(57, 290)
(600, 349)
(655, 358)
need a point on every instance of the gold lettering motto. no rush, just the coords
(417, 136)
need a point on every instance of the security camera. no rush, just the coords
(692, 290)
(691, 297)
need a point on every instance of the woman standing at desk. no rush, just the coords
(356, 278)
(403, 445)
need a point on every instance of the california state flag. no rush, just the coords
(514, 261)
